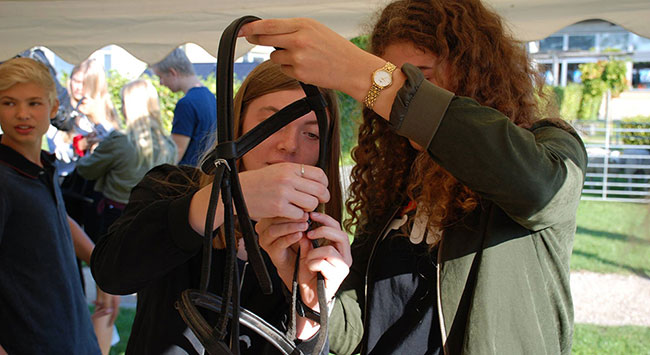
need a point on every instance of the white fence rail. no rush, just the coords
(617, 170)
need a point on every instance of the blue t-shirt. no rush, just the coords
(195, 116)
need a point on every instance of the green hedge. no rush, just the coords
(350, 111)
(597, 78)
(582, 101)
(637, 138)
(568, 100)
(589, 107)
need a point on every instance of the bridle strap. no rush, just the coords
(225, 133)
(222, 163)
(264, 130)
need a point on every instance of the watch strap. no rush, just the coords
(375, 89)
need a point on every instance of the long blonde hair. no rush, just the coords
(143, 125)
(95, 87)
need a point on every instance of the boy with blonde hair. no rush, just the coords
(42, 307)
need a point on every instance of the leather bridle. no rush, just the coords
(222, 163)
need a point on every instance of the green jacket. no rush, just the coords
(114, 164)
(503, 271)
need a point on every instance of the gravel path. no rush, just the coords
(610, 299)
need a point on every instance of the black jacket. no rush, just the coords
(152, 250)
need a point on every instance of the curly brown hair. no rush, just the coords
(481, 61)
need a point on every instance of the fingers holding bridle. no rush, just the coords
(295, 60)
(279, 42)
(338, 241)
(284, 235)
(331, 230)
(309, 194)
(265, 222)
(270, 27)
(280, 233)
(312, 173)
(296, 50)
(313, 182)
(305, 189)
(269, 32)
(325, 219)
(300, 203)
(327, 261)
(307, 201)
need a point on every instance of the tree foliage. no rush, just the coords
(351, 113)
(597, 78)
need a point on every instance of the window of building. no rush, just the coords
(640, 43)
(641, 75)
(613, 41)
(582, 42)
(553, 43)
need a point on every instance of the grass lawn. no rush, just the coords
(612, 237)
(587, 339)
(123, 322)
(592, 340)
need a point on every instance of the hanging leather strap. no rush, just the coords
(222, 163)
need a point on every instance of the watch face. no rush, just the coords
(382, 78)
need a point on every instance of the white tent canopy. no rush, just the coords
(149, 29)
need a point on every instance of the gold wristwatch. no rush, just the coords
(381, 79)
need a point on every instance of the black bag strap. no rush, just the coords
(222, 163)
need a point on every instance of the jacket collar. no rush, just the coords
(18, 162)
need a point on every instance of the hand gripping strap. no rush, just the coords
(222, 163)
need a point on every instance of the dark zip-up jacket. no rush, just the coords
(42, 306)
(152, 250)
(502, 283)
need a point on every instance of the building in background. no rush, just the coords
(589, 41)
